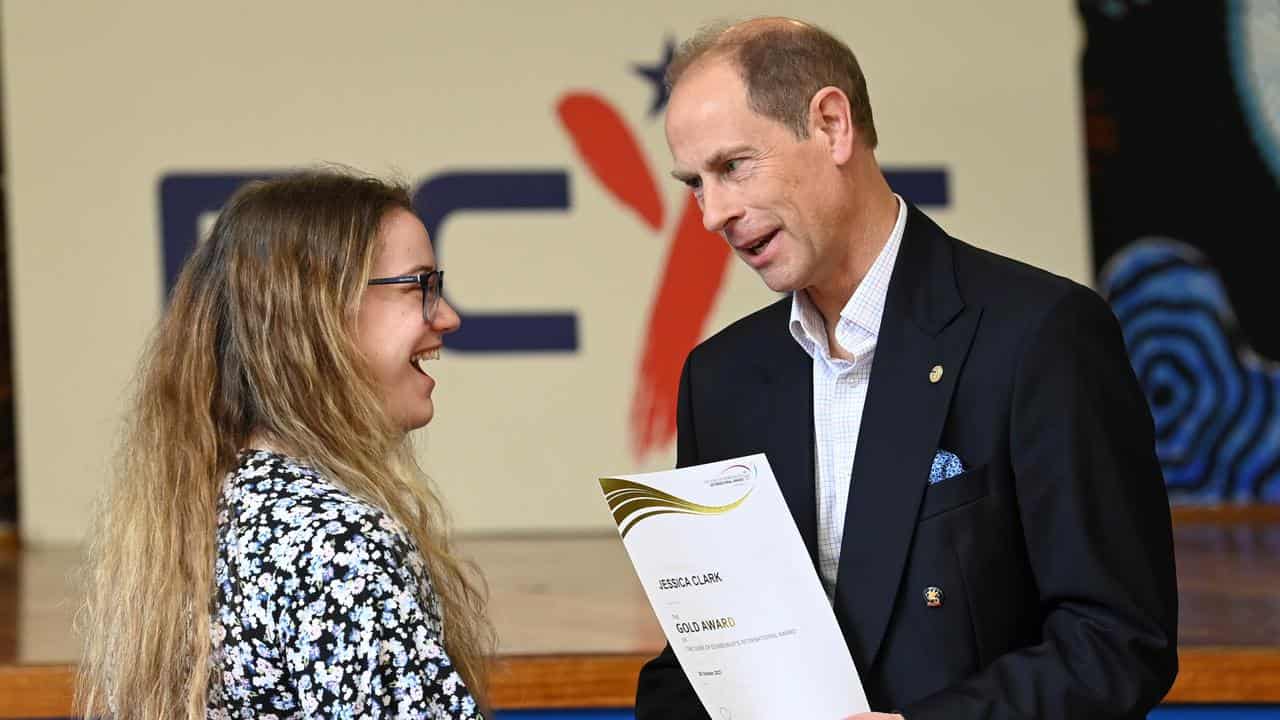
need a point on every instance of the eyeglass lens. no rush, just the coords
(431, 291)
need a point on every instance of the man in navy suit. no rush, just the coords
(960, 438)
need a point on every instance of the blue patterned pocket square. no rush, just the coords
(945, 465)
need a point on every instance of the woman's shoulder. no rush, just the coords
(284, 520)
(283, 500)
(271, 485)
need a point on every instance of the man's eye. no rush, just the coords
(731, 165)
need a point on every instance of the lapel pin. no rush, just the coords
(935, 374)
(933, 597)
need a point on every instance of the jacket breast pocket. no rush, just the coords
(956, 491)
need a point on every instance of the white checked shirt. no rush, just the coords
(840, 391)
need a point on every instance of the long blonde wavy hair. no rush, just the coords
(257, 340)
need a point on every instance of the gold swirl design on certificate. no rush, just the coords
(630, 502)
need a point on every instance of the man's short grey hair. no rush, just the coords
(782, 64)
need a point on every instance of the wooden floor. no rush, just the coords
(573, 601)
(549, 595)
(1229, 578)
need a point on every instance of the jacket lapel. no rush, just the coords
(788, 376)
(925, 324)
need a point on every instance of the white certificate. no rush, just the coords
(734, 589)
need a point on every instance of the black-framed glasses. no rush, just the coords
(432, 284)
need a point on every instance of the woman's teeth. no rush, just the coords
(421, 359)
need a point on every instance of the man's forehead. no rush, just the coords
(700, 145)
(712, 131)
(703, 112)
(709, 77)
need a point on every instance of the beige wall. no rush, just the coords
(102, 99)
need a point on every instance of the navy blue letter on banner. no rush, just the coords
(444, 194)
(926, 187)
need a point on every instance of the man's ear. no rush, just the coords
(831, 120)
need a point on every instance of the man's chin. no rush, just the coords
(777, 281)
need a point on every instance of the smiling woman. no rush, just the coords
(269, 545)
(402, 318)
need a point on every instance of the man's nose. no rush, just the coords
(719, 208)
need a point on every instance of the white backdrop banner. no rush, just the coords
(532, 137)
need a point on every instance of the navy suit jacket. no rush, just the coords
(1053, 549)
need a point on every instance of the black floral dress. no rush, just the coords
(323, 606)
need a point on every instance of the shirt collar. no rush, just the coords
(864, 308)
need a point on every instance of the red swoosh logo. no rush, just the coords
(691, 279)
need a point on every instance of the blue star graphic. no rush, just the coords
(656, 74)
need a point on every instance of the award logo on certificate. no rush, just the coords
(734, 589)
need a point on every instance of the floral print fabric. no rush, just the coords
(323, 606)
